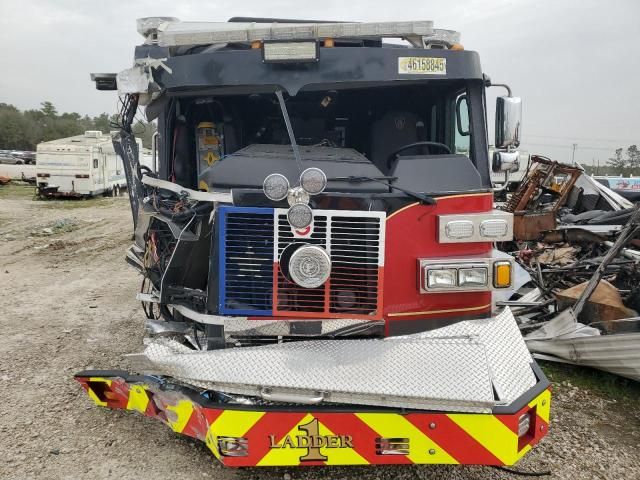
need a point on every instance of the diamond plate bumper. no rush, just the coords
(471, 366)
(281, 435)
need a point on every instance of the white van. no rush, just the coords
(80, 166)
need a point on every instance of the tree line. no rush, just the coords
(625, 162)
(23, 130)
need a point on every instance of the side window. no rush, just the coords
(95, 163)
(462, 134)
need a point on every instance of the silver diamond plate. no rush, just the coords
(455, 368)
(508, 356)
(412, 373)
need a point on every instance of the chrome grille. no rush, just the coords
(354, 241)
(354, 250)
(291, 297)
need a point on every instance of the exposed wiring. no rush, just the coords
(174, 252)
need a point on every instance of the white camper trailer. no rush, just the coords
(80, 166)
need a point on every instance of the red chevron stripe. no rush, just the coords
(199, 422)
(364, 437)
(453, 439)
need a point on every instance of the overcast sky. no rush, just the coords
(576, 64)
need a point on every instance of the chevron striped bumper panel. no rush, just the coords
(282, 435)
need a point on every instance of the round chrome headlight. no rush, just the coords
(309, 266)
(313, 180)
(300, 215)
(276, 187)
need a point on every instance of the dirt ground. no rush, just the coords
(68, 303)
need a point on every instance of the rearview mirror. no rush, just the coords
(505, 162)
(508, 122)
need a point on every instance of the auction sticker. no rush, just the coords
(422, 65)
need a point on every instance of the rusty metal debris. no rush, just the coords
(579, 244)
(543, 192)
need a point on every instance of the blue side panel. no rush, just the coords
(246, 261)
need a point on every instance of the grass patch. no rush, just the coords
(603, 383)
(17, 190)
(73, 203)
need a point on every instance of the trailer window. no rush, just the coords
(95, 163)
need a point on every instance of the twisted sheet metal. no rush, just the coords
(454, 368)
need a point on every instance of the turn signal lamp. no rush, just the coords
(502, 274)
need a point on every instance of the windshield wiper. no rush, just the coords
(287, 122)
(425, 199)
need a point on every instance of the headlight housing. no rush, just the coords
(465, 274)
(441, 278)
(473, 277)
(309, 266)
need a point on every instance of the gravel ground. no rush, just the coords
(68, 304)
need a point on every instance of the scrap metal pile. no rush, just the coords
(577, 244)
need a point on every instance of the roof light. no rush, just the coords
(174, 33)
(290, 52)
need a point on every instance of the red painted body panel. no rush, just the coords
(412, 233)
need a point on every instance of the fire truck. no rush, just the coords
(318, 244)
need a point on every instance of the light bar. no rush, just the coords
(290, 52)
(174, 33)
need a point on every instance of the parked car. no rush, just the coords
(10, 159)
(26, 157)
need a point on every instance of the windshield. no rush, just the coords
(386, 127)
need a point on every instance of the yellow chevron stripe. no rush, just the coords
(286, 456)
(494, 435)
(393, 425)
(178, 415)
(231, 423)
(92, 394)
(543, 403)
(138, 398)
(291, 456)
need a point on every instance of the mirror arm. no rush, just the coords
(504, 85)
